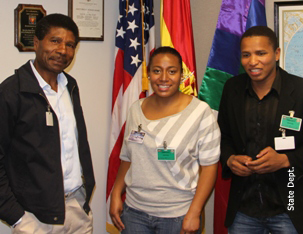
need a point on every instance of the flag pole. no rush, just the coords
(144, 69)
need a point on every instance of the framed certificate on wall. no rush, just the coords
(89, 16)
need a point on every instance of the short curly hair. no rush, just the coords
(262, 31)
(56, 20)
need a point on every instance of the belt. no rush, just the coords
(69, 194)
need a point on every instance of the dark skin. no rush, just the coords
(54, 53)
(259, 61)
(165, 75)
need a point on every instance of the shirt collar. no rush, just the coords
(275, 86)
(61, 78)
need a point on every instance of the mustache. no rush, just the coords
(61, 59)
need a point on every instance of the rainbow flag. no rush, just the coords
(176, 32)
(224, 62)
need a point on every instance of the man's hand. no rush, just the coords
(268, 160)
(238, 165)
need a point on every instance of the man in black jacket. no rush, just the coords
(46, 173)
(262, 140)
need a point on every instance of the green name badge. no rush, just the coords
(291, 123)
(166, 154)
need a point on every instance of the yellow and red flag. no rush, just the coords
(176, 32)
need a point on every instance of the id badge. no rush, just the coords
(285, 143)
(49, 119)
(166, 154)
(136, 137)
(291, 123)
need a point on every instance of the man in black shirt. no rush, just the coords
(262, 155)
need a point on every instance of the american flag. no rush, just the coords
(130, 66)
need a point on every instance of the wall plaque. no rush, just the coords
(26, 18)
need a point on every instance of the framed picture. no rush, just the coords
(26, 18)
(89, 16)
(289, 30)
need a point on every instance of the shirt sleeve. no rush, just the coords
(209, 139)
(124, 154)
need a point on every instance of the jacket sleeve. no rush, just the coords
(10, 210)
(295, 157)
(227, 145)
(293, 93)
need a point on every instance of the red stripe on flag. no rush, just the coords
(118, 75)
(114, 163)
(151, 52)
(121, 77)
(127, 79)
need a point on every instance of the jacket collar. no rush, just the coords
(286, 103)
(27, 79)
(29, 83)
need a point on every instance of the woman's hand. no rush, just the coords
(115, 211)
(191, 224)
(116, 204)
(206, 182)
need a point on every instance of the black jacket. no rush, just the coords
(232, 125)
(30, 155)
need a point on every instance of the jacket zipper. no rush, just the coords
(49, 107)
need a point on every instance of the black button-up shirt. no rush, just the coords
(261, 197)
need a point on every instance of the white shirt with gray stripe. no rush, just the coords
(166, 188)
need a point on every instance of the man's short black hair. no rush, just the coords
(262, 31)
(165, 50)
(56, 20)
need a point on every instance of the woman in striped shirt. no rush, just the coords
(169, 156)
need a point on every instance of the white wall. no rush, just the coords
(93, 68)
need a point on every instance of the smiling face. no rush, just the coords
(259, 58)
(54, 52)
(165, 75)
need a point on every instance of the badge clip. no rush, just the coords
(291, 113)
(49, 117)
(283, 132)
(165, 145)
(139, 127)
